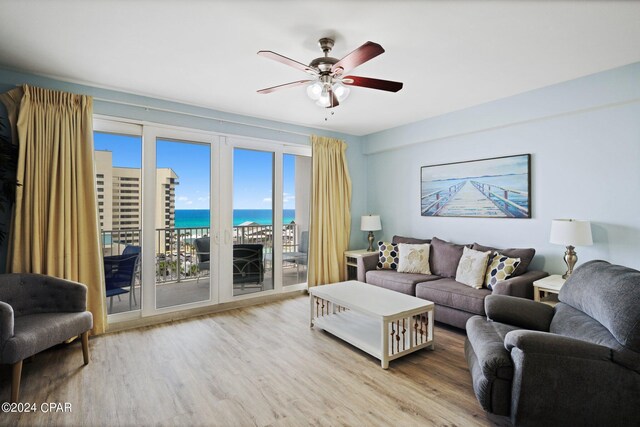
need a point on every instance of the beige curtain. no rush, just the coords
(55, 229)
(330, 211)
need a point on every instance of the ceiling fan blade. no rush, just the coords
(286, 61)
(387, 85)
(364, 53)
(284, 86)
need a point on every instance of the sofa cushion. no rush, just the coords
(472, 267)
(449, 293)
(445, 257)
(525, 255)
(611, 295)
(413, 258)
(410, 240)
(501, 268)
(388, 256)
(399, 282)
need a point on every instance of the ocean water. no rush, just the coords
(200, 217)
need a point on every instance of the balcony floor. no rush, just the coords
(191, 290)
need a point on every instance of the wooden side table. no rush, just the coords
(543, 288)
(351, 262)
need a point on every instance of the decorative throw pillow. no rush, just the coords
(501, 268)
(388, 256)
(445, 257)
(472, 267)
(525, 255)
(414, 258)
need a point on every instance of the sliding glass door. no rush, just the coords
(118, 168)
(182, 222)
(296, 194)
(180, 219)
(194, 219)
(252, 221)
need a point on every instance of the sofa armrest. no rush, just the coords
(519, 286)
(6, 322)
(558, 346)
(365, 263)
(519, 312)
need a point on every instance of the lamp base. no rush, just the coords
(371, 238)
(570, 258)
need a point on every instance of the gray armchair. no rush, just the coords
(577, 363)
(38, 312)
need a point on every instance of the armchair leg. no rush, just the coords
(85, 347)
(15, 381)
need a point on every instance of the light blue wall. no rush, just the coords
(219, 122)
(584, 140)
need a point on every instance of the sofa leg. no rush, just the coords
(15, 381)
(85, 347)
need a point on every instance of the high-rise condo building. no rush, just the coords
(120, 200)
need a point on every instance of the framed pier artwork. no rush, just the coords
(499, 187)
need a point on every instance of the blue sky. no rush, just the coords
(252, 177)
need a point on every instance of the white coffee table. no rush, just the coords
(386, 324)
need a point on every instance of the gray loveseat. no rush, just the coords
(577, 363)
(455, 302)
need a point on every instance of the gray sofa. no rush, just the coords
(577, 363)
(455, 302)
(38, 312)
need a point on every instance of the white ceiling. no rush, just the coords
(449, 54)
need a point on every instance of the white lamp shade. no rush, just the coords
(571, 232)
(314, 90)
(370, 223)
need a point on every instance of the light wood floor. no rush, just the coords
(260, 365)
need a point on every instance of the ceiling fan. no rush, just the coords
(329, 84)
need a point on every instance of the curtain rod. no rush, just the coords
(167, 110)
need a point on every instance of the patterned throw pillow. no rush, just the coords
(414, 258)
(501, 268)
(388, 256)
(472, 267)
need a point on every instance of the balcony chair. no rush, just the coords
(248, 264)
(38, 312)
(120, 276)
(301, 256)
(203, 247)
(132, 250)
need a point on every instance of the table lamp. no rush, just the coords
(570, 232)
(370, 223)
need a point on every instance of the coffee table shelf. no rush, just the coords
(355, 328)
(380, 322)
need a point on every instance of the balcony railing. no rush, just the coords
(175, 251)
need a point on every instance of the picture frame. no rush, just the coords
(497, 187)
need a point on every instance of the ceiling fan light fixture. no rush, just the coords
(314, 90)
(324, 100)
(341, 91)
